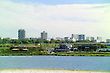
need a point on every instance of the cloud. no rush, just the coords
(57, 20)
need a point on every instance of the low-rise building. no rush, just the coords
(63, 48)
(108, 40)
(22, 48)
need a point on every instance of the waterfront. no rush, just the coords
(55, 62)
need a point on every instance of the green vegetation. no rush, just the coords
(5, 51)
(108, 46)
(42, 47)
(43, 50)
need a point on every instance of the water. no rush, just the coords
(56, 62)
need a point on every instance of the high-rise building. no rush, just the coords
(77, 37)
(81, 37)
(88, 38)
(21, 34)
(44, 35)
(92, 39)
(99, 39)
(74, 37)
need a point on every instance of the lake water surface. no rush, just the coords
(56, 62)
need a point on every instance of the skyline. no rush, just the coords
(44, 35)
(59, 18)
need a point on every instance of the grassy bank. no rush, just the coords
(5, 51)
(42, 50)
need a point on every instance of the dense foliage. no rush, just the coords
(43, 46)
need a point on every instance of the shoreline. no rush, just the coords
(47, 71)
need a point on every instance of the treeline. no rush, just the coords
(35, 41)
(7, 42)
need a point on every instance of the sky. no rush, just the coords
(60, 18)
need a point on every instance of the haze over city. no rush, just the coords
(57, 17)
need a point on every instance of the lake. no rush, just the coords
(56, 62)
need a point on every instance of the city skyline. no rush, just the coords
(73, 37)
(59, 18)
(44, 36)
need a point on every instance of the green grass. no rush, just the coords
(108, 47)
(42, 50)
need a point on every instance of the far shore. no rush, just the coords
(47, 71)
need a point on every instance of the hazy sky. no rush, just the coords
(59, 18)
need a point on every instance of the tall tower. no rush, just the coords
(44, 35)
(99, 39)
(21, 34)
(74, 37)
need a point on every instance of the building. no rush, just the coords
(21, 34)
(63, 48)
(44, 35)
(99, 39)
(81, 37)
(87, 47)
(88, 38)
(92, 39)
(59, 38)
(77, 37)
(66, 38)
(22, 48)
(74, 37)
(108, 40)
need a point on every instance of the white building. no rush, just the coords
(74, 37)
(90, 38)
(108, 40)
(77, 37)
(99, 39)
